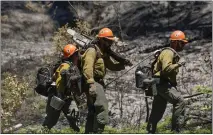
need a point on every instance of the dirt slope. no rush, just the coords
(143, 26)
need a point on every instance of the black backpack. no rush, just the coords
(44, 78)
(43, 81)
(146, 72)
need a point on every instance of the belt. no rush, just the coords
(100, 81)
(160, 80)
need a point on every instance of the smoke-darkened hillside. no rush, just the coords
(27, 29)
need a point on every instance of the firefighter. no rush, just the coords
(70, 56)
(165, 70)
(94, 62)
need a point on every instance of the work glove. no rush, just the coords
(128, 63)
(182, 62)
(92, 90)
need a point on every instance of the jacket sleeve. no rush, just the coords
(166, 58)
(88, 65)
(60, 81)
(113, 65)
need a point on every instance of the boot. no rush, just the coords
(99, 129)
(150, 128)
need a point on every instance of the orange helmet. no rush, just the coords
(69, 50)
(106, 33)
(178, 35)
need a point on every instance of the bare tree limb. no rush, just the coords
(197, 94)
(74, 9)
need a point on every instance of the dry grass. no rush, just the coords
(34, 7)
(4, 18)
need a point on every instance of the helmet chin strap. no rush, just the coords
(103, 46)
(174, 45)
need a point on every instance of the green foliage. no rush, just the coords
(127, 130)
(39, 105)
(198, 131)
(65, 131)
(83, 27)
(164, 126)
(13, 93)
(62, 38)
(203, 89)
(44, 130)
(109, 130)
(206, 108)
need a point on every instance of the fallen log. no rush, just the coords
(12, 128)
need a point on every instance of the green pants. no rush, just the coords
(53, 115)
(166, 93)
(97, 116)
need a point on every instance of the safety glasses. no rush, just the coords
(108, 41)
(181, 43)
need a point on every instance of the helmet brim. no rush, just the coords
(110, 38)
(185, 41)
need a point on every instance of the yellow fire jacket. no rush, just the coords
(166, 65)
(60, 81)
(94, 63)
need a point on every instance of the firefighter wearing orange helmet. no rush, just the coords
(70, 56)
(165, 70)
(94, 63)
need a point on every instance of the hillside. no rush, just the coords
(27, 29)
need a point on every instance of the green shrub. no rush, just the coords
(83, 27)
(203, 89)
(13, 93)
(41, 130)
(165, 126)
(61, 38)
(198, 131)
(109, 130)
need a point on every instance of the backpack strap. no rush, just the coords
(176, 57)
(98, 53)
(73, 75)
(68, 62)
